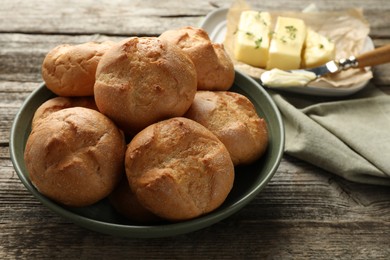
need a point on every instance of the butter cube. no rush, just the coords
(252, 38)
(287, 44)
(318, 50)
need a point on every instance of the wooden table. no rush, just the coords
(304, 212)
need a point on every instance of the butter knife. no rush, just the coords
(377, 56)
(302, 77)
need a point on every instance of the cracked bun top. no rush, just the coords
(57, 103)
(69, 70)
(233, 119)
(143, 80)
(178, 169)
(214, 68)
(75, 156)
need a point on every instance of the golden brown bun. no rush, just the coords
(69, 70)
(233, 119)
(54, 104)
(213, 65)
(126, 203)
(75, 156)
(143, 80)
(178, 169)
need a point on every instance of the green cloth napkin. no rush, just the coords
(349, 136)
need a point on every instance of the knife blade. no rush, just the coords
(377, 56)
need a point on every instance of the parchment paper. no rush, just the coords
(347, 29)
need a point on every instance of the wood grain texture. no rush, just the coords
(303, 213)
(149, 17)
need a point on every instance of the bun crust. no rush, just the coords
(178, 169)
(233, 119)
(214, 68)
(69, 70)
(59, 103)
(126, 203)
(75, 156)
(144, 80)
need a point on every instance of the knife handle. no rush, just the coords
(378, 56)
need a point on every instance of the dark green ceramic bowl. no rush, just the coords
(101, 217)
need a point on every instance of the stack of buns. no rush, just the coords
(147, 122)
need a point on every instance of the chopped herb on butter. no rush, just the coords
(260, 18)
(292, 31)
(251, 41)
(318, 49)
(286, 44)
(258, 43)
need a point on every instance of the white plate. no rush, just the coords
(215, 25)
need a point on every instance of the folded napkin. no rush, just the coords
(349, 136)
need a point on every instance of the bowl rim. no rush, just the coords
(148, 231)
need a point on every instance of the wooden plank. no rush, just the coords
(115, 17)
(12, 95)
(21, 55)
(302, 211)
(275, 241)
(109, 17)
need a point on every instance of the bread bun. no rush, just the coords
(143, 80)
(178, 169)
(69, 70)
(55, 104)
(75, 156)
(214, 68)
(233, 119)
(126, 203)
